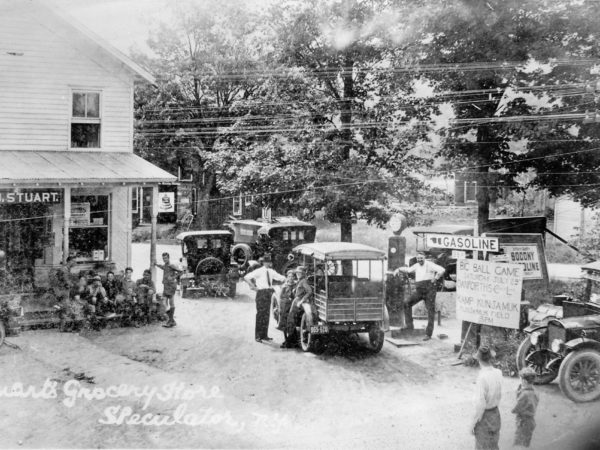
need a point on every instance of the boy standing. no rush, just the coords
(527, 401)
(486, 421)
(170, 275)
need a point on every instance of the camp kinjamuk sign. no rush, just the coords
(489, 293)
(29, 196)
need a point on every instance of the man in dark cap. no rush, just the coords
(261, 280)
(486, 421)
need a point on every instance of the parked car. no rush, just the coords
(253, 238)
(567, 348)
(348, 282)
(207, 260)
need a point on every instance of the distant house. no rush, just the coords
(67, 168)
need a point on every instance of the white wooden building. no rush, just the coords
(67, 167)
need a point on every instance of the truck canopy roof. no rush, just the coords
(182, 236)
(339, 251)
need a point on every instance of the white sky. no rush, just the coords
(123, 23)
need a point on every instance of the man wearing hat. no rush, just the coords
(302, 294)
(427, 274)
(486, 421)
(97, 296)
(261, 280)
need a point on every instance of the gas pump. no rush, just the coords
(396, 258)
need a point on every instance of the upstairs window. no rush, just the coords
(85, 120)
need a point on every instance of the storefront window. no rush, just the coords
(89, 231)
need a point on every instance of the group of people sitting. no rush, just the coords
(93, 300)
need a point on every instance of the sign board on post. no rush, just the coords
(489, 293)
(166, 202)
(463, 243)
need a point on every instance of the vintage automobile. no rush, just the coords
(254, 238)
(207, 262)
(348, 280)
(568, 348)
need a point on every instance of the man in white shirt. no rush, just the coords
(261, 280)
(427, 274)
(486, 421)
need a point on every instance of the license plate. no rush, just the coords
(319, 329)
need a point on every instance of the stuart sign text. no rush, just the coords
(489, 293)
(30, 196)
(462, 242)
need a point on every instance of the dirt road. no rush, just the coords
(230, 391)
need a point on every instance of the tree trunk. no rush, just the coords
(483, 181)
(204, 183)
(346, 121)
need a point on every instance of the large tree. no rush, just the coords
(340, 141)
(210, 70)
(485, 57)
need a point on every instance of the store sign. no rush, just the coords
(464, 243)
(80, 213)
(166, 202)
(30, 196)
(528, 256)
(489, 293)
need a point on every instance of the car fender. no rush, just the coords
(531, 328)
(580, 343)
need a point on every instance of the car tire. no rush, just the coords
(209, 261)
(524, 350)
(307, 339)
(579, 375)
(376, 339)
(275, 309)
(241, 254)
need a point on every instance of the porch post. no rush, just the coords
(66, 222)
(153, 216)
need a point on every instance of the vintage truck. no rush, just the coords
(348, 282)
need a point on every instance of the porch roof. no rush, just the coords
(66, 167)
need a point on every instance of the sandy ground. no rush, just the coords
(231, 392)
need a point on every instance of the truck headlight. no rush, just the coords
(556, 345)
(534, 338)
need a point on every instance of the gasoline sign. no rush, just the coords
(528, 256)
(462, 242)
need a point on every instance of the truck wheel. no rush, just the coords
(307, 340)
(536, 357)
(579, 376)
(2, 332)
(241, 254)
(376, 339)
